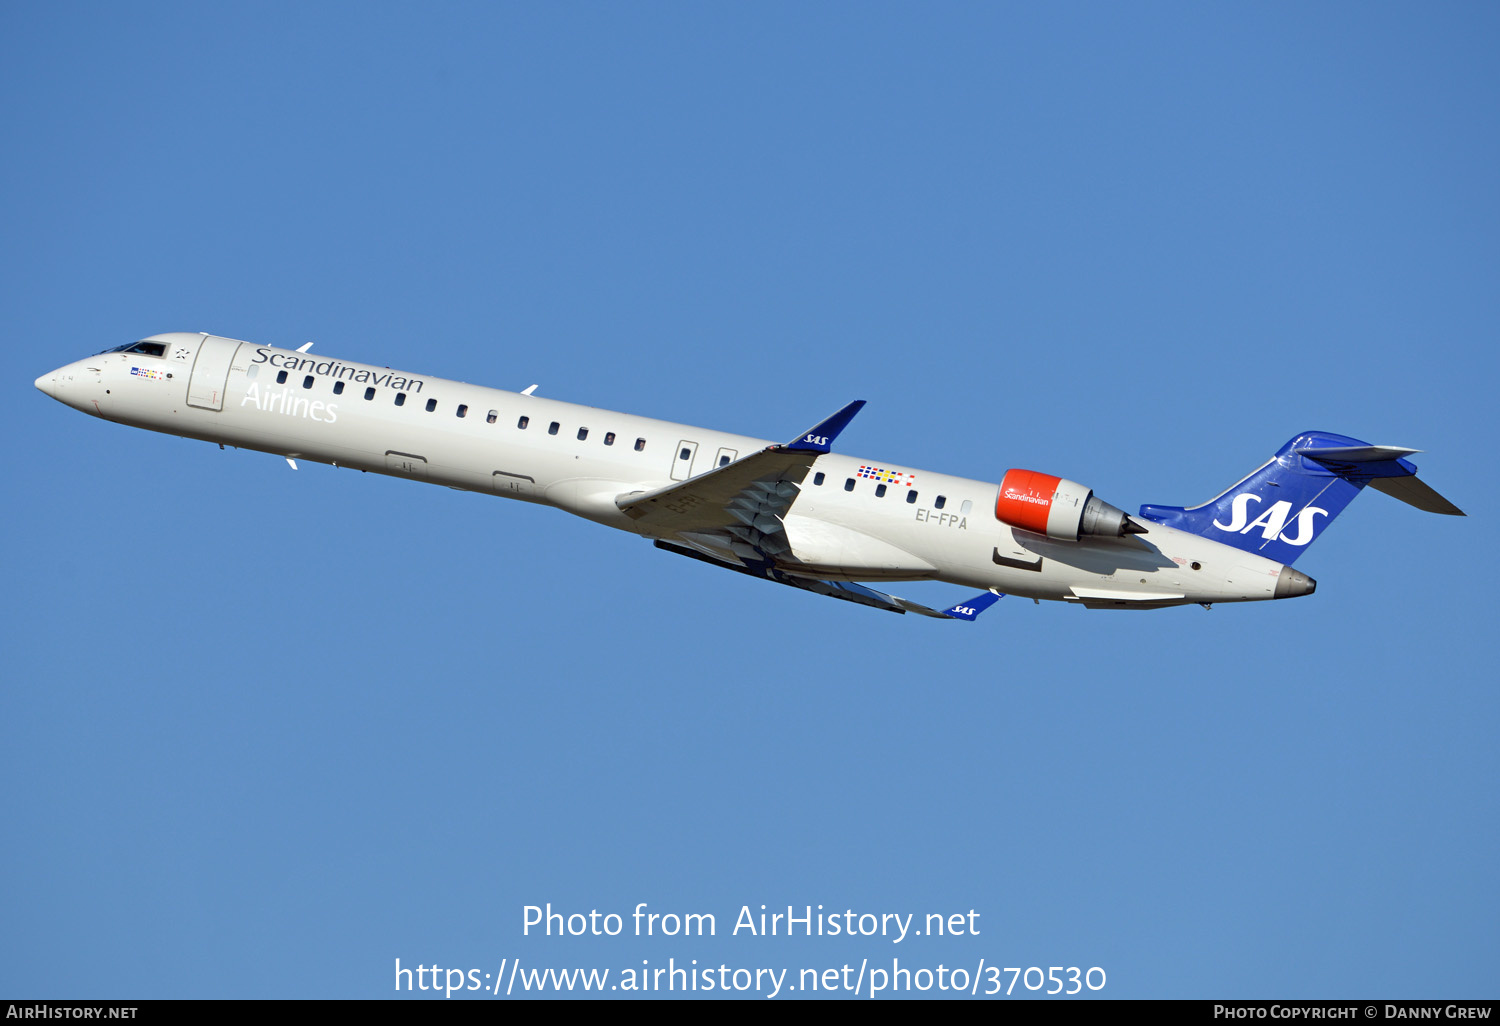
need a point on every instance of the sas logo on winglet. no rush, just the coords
(1272, 522)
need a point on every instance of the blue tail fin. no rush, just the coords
(1281, 509)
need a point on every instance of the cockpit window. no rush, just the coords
(145, 348)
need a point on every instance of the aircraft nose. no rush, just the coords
(65, 386)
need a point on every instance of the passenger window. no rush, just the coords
(609, 438)
(463, 411)
(941, 501)
(685, 454)
(818, 478)
(640, 445)
(849, 485)
(281, 377)
(880, 491)
(968, 505)
(400, 398)
(552, 428)
(369, 394)
(911, 496)
(338, 388)
(523, 422)
(583, 433)
(431, 405)
(723, 461)
(307, 381)
(493, 416)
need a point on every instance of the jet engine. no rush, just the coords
(1061, 509)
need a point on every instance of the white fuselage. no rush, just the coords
(891, 523)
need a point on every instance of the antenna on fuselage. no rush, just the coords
(304, 347)
(528, 390)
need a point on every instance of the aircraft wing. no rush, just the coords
(738, 508)
(967, 610)
(731, 517)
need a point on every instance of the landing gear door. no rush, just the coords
(514, 485)
(211, 372)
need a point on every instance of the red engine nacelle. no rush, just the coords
(1059, 508)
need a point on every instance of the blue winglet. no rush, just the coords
(971, 609)
(820, 438)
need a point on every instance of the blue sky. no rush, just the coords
(267, 732)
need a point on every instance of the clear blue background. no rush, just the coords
(265, 732)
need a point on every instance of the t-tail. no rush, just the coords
(1281, 508)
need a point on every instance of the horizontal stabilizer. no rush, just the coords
(1355, 453)
(1384, 469)
(1415, 492)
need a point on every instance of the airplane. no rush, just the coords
(796, 513)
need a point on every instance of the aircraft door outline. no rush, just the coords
(210, 374)
(682, 460)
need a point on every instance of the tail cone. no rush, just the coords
(1292, 583)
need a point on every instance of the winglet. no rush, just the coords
(971, 609)
(820, 438)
